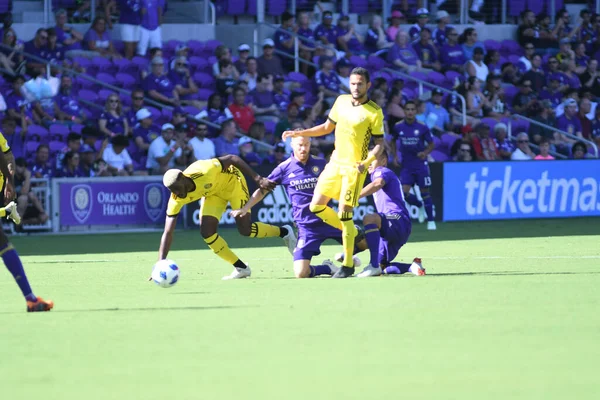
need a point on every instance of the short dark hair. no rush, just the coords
(581, 145)
(414, 103)
(120, 140)
(262, 77)
(286, 16)
(362, 72)
(73, 136)
(544, 141)
(20, 161)
(42, 146)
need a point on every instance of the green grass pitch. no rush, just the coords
(508, 310)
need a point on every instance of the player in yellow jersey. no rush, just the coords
(218, 181)
(356, 120)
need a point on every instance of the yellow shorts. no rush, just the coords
(235, 194)
(342, 183)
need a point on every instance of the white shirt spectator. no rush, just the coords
(345, 81)
(518, 155)
(251, 79)
(159, 148)
(118, 161)
(203, 149)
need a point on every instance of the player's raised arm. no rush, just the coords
(256, 197)
(320, 130)
(240, 164)
(167, 236)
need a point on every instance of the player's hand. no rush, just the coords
(265, 184)
(422, 155)
(288, 134)
(238, 213)
(360, 167)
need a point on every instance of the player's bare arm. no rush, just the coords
(373, 154)
(423, 155)
(9, 191)
(320, 130)
(256, 197)
(263, 183)
(167, 236)
(372, 187)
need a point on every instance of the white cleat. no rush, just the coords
(422, 214)
(290, 239)
(370, 271)
(339, 257)
(12, 213)
(431, 226)
(331, 266)
(416, 268)
(238, 273)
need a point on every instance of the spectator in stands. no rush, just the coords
(402, 55)
(16, 140)
(26, 198)
(394, 109)
(476, 67)
(143, 133)
(596, 127)
(227, 142)
(278, 156)
(544, 151)
(492, 60)
(17, 106)
(203, 148)
(546, 37)
(465, 152)
(327, 33)
(536, 74)
(504, 146)
(137, 103)
(523, 151)
(376, 39)
(87, 155)
(164, 152)
(150, 30)
(585, 107)
(214, 112)
(67, 106)
(284, 39)
(451, 53)
(263, 101)
(494, 93)
(285, 124)
(186, 88)
(579, 151)
(524, 63)
(562, 28)
(223, 54)
(36, 47)
(67, 36)
(553, 93)
(297, 97)
(587, 34)
(10, 59)
(525, 102)
(484, 145)
(269, 63)
(247, 153)
(73, 145)
(568, 122)
(343, 69)
(243, 115)
(97, 39)
(158, 86)
(426, 52)
(509, 74)
(590, 79)
(7, 22)
(527, 32)
(581, 59)
(326, 80)
(476, 101)
(565, 53)
(251, 74)
(422, 19)
(113, 121)
(130, 19)
(41, 167)
(179, 116)
(436, 116)
(349, 40)
(116, 156)
(70, 168)
(243, 55)
(443, 28)
(468, 40)
(306, 45)
(226, 80)
(280, 94)
(395, 20)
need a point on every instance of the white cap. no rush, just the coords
(243, 47)
(422, 11)
(244, 140)
(142, 114)
(167, 126)
(268, 42)
(442, 14)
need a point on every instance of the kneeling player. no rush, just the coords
(388, 230)
(299, 175)
(219, 181)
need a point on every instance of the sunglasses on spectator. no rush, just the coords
(113, 100)
(465, 149)
(138, 98)
(180, 64)
(529, 48)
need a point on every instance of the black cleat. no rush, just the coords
(344, 272)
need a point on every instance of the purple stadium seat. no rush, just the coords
(375, 63)
(195, 47)
(104, 94)
(38, 132)
(191, 110)
(270, 126)
(251, 8)
(167, 114)
(77, 128)
(277, 7)
(509, 94)
(296, 77)
(30, 148)
(491, 45)
(119, 46)
(449, 140)
(82, 61)
(236, 7)
(438, 156)
(125, 99)
(436, 78)
(59, 132)
(171, 45)
(513, 59)
(125, 81)
(84, 83)
(141, 62)
(56, 146)
(125, 66)
(198, 64)
(358, 61)
(359, 6)
(491, 122)
(155, 113)
(519, 125)
(203, 80)
(88, 95)
(204, 94)
(508, 47)
(105, 78)
(211, 45)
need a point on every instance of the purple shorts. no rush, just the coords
(416, 174)
(310, 240)
(395, 230)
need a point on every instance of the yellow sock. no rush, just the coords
(2, 212)
(348, 234)
(219, 246)
(328, 215)
(260, 230)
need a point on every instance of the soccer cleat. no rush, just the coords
(344, 272)
(40, 305)
(431, 226)
(238, 273)
(12, 213)
(370, 271)
(290, 239)
(334, 269)
(416, 267)
(422, 214)
(339, 257)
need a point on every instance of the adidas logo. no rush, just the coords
(277, 208)
(292, 175)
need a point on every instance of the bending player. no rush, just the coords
(218, 181)
(387, 230)
(298, 175)
(355, 119)
(7, 251)
(415, 170)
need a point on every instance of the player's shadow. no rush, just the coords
(509, 273)
(140, 309)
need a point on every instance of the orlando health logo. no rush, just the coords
(81, 202)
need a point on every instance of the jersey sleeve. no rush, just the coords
(4, 144)
(377, 129)
(333, 113)
(174, 206)
(276, 175)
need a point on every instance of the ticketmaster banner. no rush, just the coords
(521, 189)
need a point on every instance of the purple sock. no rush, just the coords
(319, 270)
(13, 264)
(428, 206)
(396, 268)
(412, 200)
(373, 237)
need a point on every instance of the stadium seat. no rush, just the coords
(195, 47)
(56, 146)
(125, 81)
(38, 132)
(105, 78)
(204, 80)
(358, 61)
(359, 6)
(439, 156)
(77, 128)
(276, 7)
(491, 45)
(30, 148)
(235, 7)
(59, 132)
(448, 140)
(296, 77)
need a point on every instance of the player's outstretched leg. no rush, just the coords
(260, 230)
(219, 246)
(395, 268)
(303, 269)
(372, 224)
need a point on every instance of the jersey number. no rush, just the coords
(348, 195)
(427, 181)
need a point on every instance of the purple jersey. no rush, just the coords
(62, 36)
(282, 99)
(354, 45)
(114, 124)
(331, 81)
(440, 36)
(308, 34)
(452, 55)
(371, 39)
(45, 171)
(162, 84)
(102, 41)
(282, 35)
(131, 117)
(331, 33)
(555, 97)
(569, 125)
(15, 101)
(426, 53)
(56, 55)
(389, 200)
(150, 20)
(406, 55)
(147, 134)
(263, 99)
(130, 12)
(413, 139)
(30, 48)
(414, 32)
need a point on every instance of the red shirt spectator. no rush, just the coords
(585, 107)
(484, 146)
(242, 113)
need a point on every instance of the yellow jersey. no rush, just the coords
(210, 180)
(5, 149)
(354, 126)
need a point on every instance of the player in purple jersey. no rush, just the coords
(416, 142)
(387, 230)
(298, 174)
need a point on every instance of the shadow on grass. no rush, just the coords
(138, 309)
(511, 273)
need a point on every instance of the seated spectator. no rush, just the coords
(565, 53)
(523, 151)
(484, 145)
(349, 40)
(492, 60)
(585, 107)
(203, 148)
(326, 80)
(227, 142)
(164, 152)
(580, 151)
(178, 117)
(451, 54)
(504, 146)
(376, 39)
(297, 98)
(280, 94)
(143, 133)
(158, 86)
(436, 116)
(527, 32)
(137, 103)
(546, 37)
(284, 39)
(553, 93)
(243, 55)
(37, 47)
(246, 148)
(10, 58)
(476, 67)
(468, 40)
(55, 52)
(70, 167)
(476, 101)
(596, 127)
(263, 101)
(41, 167)
(426, 52)
(525, 102)
(116, 156)
(307, 41)
(226, 80)
(443, 28)
(214, 112)
(581, 59)
(17, 106)
(394, 109)
(28, 205)
(568, 71)
(16, 141)
(327, 33)
(396, 19)
(88, 158)
(73, 145)
(570, 94)
(112, 121)
(524, 63)
(509, 74)
(67, 106)
(494, 93)
(546, 117)
(186, 88)
(536, 74)
(587, 32)
(544, 151)
(562, 27)
(344, 68)
(285, 124)
(465, 152)
(422, 19)
(590, 79)
(569, 122)
(278, 156)
(251, 74)
(223, 54)
(243, 115)
(402, 55)
(269, 63)
(97, 39)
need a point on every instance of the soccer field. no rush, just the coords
(508, 310)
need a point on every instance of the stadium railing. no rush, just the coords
(552, 128)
